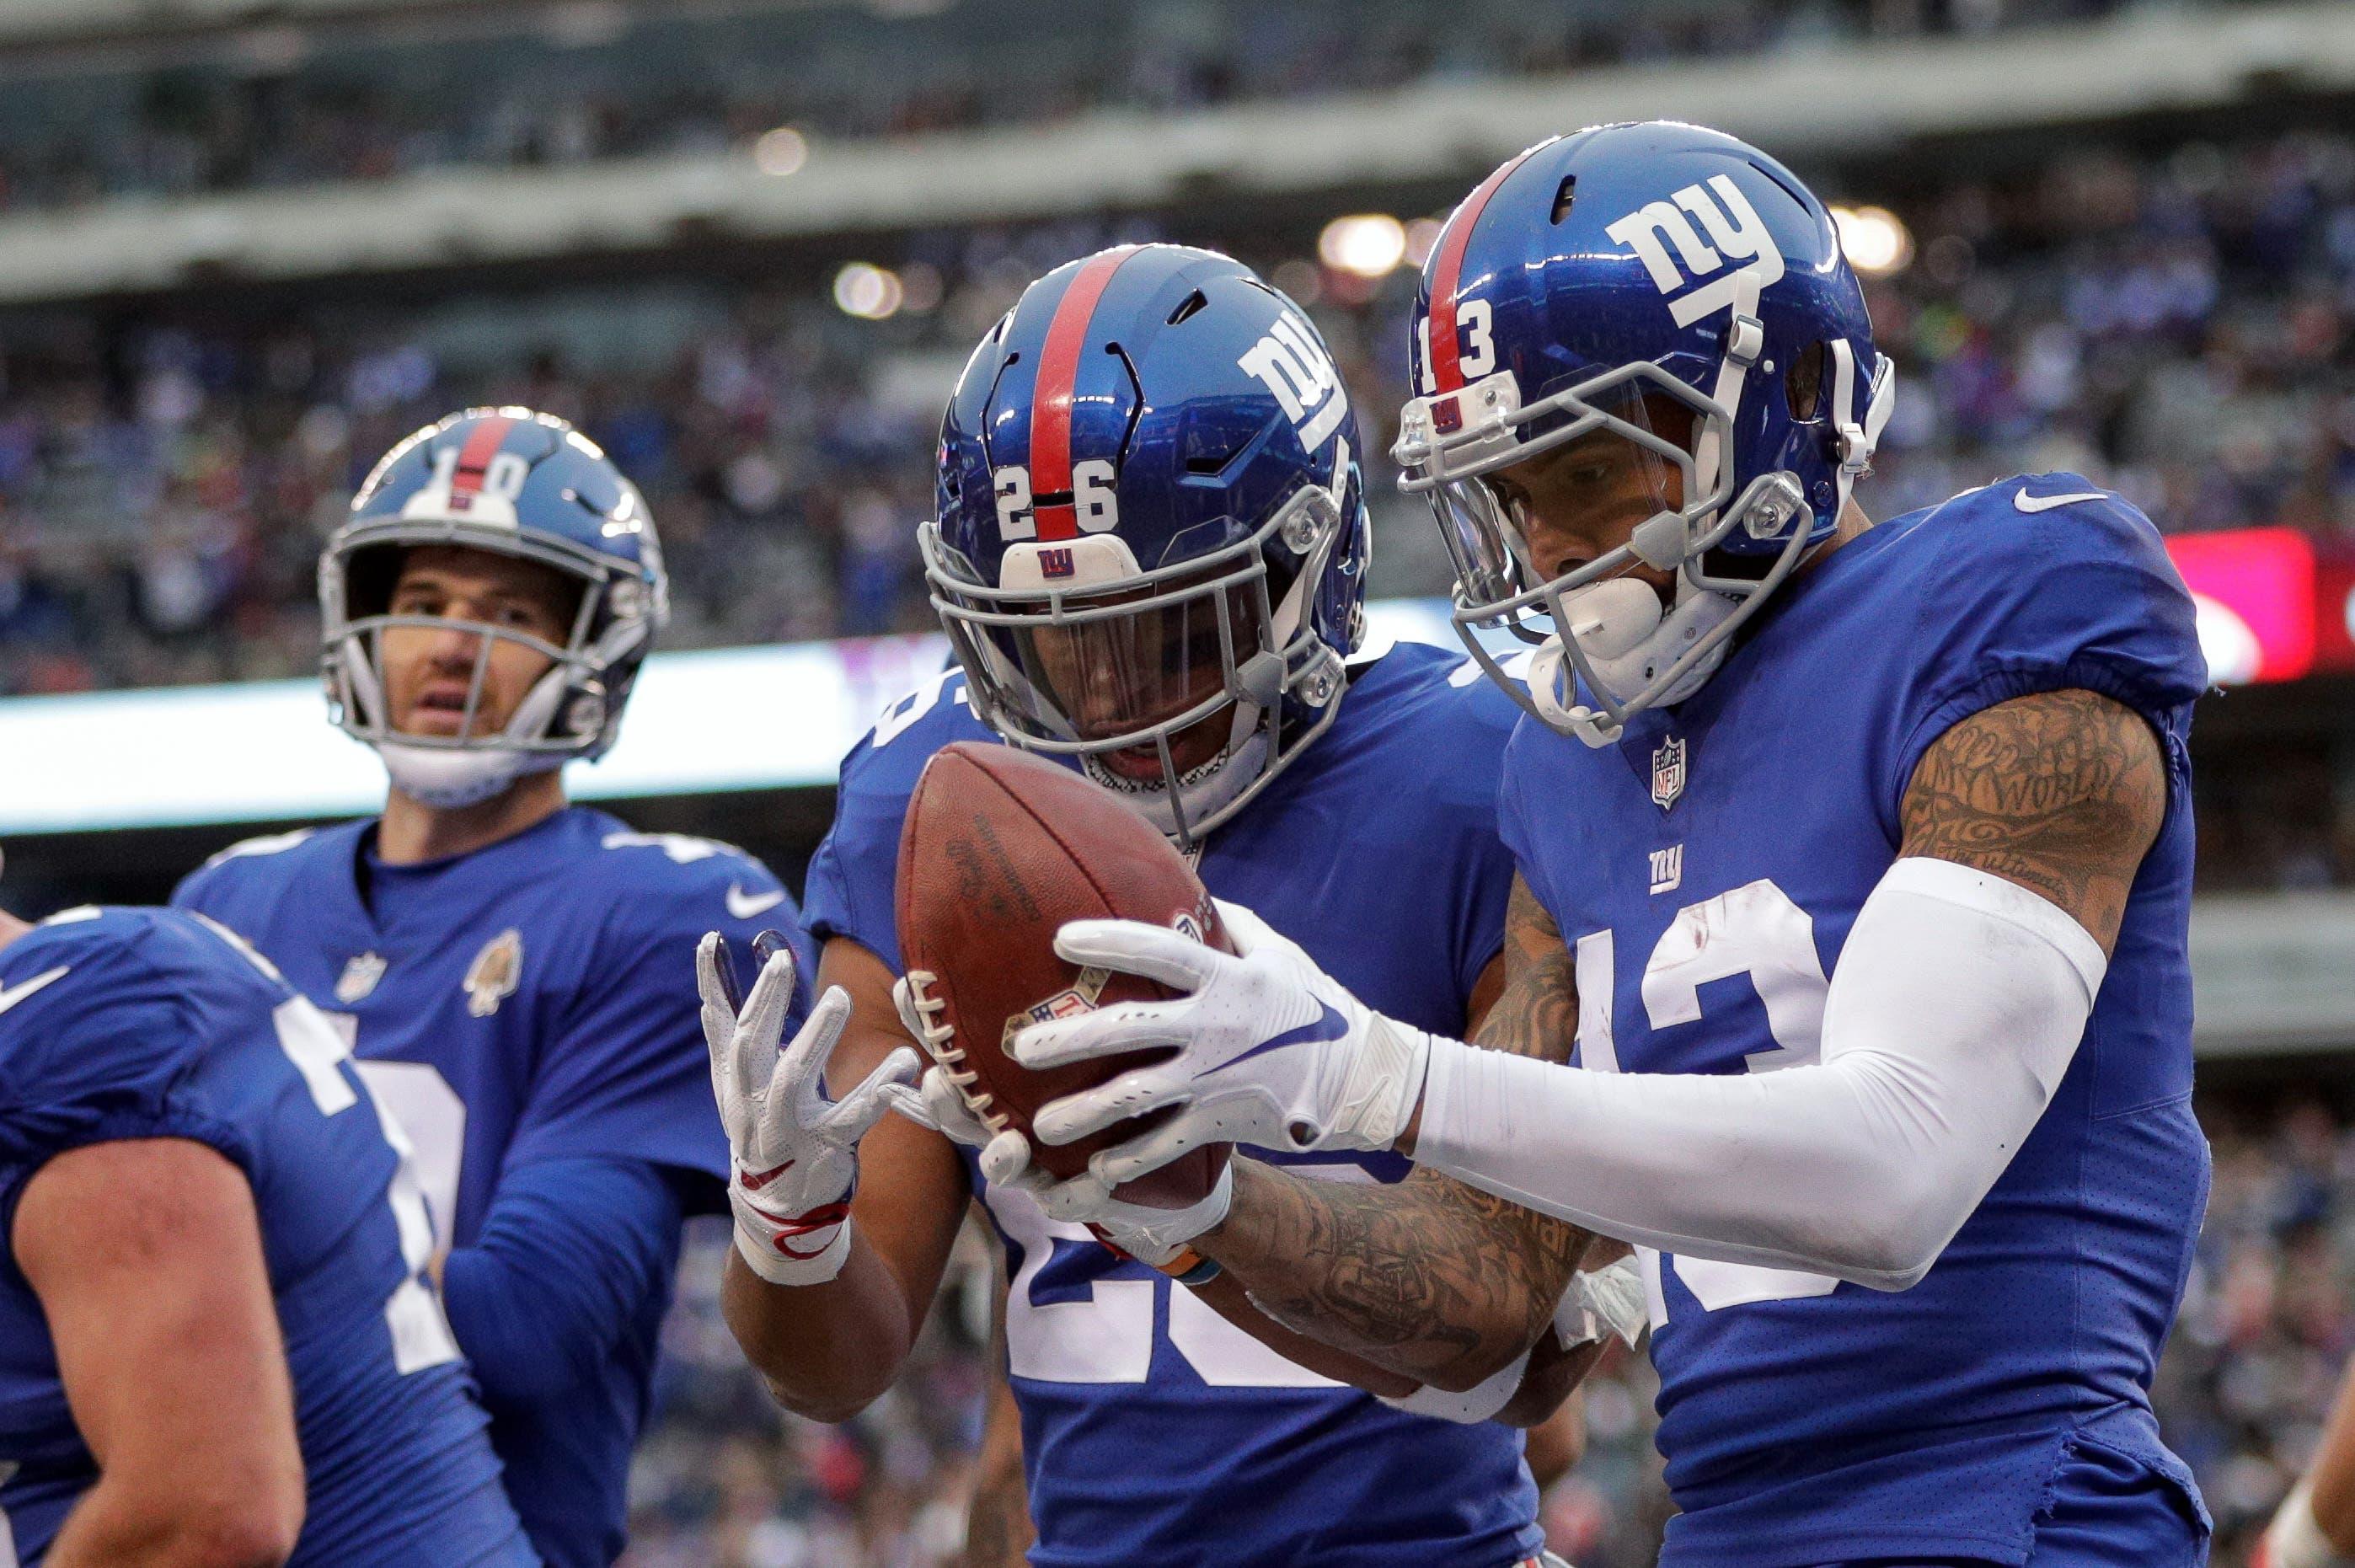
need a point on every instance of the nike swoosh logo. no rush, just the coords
(17, 993)
(744, 905)
(2028, 503)
(754, 1181)
(1332, 1026)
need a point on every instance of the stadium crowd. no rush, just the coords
(280, 107)
(2183, 327)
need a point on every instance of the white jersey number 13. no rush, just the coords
(1755, 930)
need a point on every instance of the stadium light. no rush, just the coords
(1874, 240)
(869, 292)
(1422, 240)
(780, 152)
(1363, 244)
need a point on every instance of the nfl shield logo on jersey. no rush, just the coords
(358, 982)
(491, 978)
(1668, 772)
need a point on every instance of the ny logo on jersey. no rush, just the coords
(492, 978)
(1668, 772)
(1667, 869)
(1734, 230)
(1293, 366)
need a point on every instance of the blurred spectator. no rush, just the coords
(554, 85)
(2176, 325)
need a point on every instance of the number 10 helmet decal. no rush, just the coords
(1678, 300)
(1151, 538)
(513, 482)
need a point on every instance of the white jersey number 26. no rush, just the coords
(1755, 930)
(1107, 1336)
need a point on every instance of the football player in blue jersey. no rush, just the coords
(1863, 855)
(1149, 554)
(218, 1345)
(509, 968)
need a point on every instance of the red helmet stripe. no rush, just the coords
(1050, 399)
(1447, 269)
(483, 443)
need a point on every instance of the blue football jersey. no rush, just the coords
(1154, 1432)
(1706, 871)
(532, 1000)
(128, 1023)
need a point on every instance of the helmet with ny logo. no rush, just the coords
(513, 483)
(1669, 308)
(1150, 545)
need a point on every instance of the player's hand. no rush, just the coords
(794, 1154)
(1270, 1051)
(1152, 1236)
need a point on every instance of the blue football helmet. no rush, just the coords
(519, 483)
(1676, 297)
(1151, 538)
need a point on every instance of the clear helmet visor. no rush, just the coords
(1584, 486)
(1114, 676)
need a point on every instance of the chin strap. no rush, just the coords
(1857, 439)
(1745, 339)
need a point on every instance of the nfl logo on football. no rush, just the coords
(1668, 772)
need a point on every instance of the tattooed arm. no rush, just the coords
(1431, 1279)
(1955, 1011)
(2061, 793)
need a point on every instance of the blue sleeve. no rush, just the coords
(569, 1255)
(853, 883)
(95, 1056)
(625, 1073)
(190, 892)
(1483, 880)
(1512, 822)
(2012, 604)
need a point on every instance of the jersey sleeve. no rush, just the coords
(625, 1073)
(2016, 603)
(853, 880)
(95, 1055)
(1483, 883)
(213, 888)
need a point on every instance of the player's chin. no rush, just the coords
(432, 721)
(1139, 764)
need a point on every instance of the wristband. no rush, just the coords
(1191, 1268)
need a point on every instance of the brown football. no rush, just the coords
(999, 849)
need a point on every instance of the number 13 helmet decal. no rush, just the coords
(1151, 538)
(1618, 285)
(513, 482)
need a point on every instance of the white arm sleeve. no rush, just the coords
(1954, 1009)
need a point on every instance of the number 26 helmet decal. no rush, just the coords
(513, 483)
(1150, 543)
(1675, 300)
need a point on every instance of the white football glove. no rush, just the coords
(1152, 1236)
(1270, 1051)
(794, 1154)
